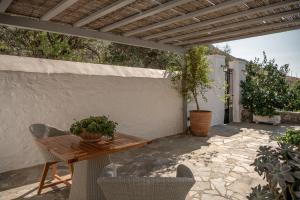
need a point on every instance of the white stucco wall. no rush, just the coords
(142, 101)
(215, 96)
(238, 68)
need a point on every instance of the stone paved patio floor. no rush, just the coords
(220, 163)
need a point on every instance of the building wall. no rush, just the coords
(238, 74)
(142, 101)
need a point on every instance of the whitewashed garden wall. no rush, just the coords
(32, 90)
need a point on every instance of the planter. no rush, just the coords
(275, 120)
(90, 137)
(200, 122)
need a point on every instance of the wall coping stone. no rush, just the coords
(49, 66)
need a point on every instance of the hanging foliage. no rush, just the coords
(40, 44)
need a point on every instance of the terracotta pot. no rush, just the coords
(90, 137)
(200, 122)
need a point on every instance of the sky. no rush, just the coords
(284, 47)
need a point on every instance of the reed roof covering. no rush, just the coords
(171, 25)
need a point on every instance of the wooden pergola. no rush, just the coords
(172, 25)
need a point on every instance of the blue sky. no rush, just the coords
(284, 47)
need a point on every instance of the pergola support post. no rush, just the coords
(184, 99)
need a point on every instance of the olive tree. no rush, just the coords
(193, 70)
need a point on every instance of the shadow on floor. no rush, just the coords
(26, 176)
(161, 157)
(164, 154)
(55, 194)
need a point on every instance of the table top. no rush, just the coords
(70, 148)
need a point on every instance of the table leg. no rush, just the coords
(84, 180)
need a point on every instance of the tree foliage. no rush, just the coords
(194, 70)
(120, 54)
(227, 51)
(40, 44)
(265, 88)
(294, 97)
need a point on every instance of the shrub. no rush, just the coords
(98, 125)
(292, 137)
(265, 88)
(280, 167)
(294, 97)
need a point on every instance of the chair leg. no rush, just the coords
(54, 170)
(53, 167)
(44, 175)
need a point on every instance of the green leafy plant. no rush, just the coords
(280, 167)
(193, 72)
(294, 97)
(261, 193)
(98, 125)
(264, 91)
(291, 136)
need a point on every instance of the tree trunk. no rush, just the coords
(196, 100)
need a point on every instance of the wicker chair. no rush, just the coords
(148, 188)
(40, 131)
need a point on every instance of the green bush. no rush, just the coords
(292, 136)
(265, 89)
(294, 97)
(98, 125)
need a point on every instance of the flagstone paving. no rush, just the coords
(220, 163)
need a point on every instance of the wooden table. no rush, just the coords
(93, 158)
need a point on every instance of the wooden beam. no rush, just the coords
(29, 23)
(232, 25)
(102, 12)
(63, 5)
(224, 18)
(280, 30)
(239, 32)
(147, 13)
(197, 13)
(176, 11)
(4, 5)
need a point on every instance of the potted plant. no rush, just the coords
(264, 91)
(193, 72)
(93, 128)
